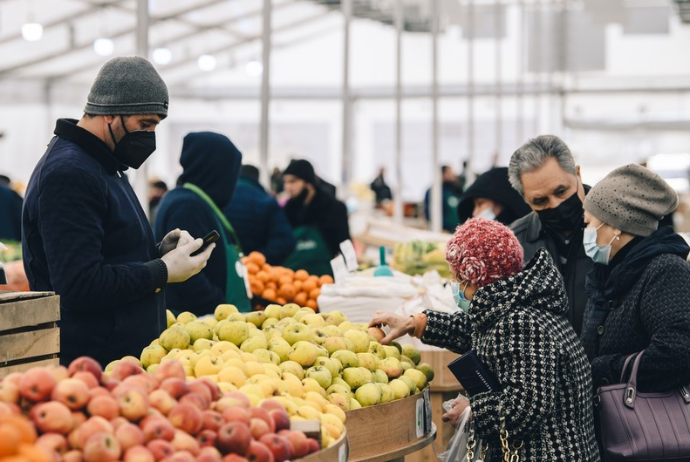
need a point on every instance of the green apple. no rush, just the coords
(313, 320)
(400, 388)
(377, 349)
(319, 335)
(342, 400)
(387, 394)
(185, 317)
(281, 347)
(338, 317)
(340, 381)
(170, 318)
(203, 344)
(286, 322)
(407, 366)
(303, 353)
(198, 329)
(346, 357)
(152, 354)
(256, 317)
(333, 365)
(254, 343)
(221, 347)
(293, 368)
(208, 365)
(411, 352)
(321, 352)
(224, 310)
(418, 376)
(333, 344)
(359, 339)
(368, 394)
(428, 371)
(269, 322)
(368, 360)
(404, 359)
(310, 384)
(273, 311)
(333, 331)
(301, 313)
(218, 326)
(347, 325)
(354, 404)
(289, 310)
(297, 332)
(357, 376)
(391, 352)
(391, 367)
(239, 317)
(174, 337)
(234, 331)
(321, 374)
(266, 356)
(338, 388)
(380, 376)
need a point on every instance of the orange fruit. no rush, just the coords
(308, 285)
(263, 276)
(301, 298)
(34, 453)
(287, 291)
(301, 275)
(281, 301)
(326, 279)
(297, 284)
(257, 257)
(252, 268)
(271, 285)
(257, 287)
(314, 294)
(269, 294)
(275, 274)
(9, 440)
(289, 272)
(27, 432)
(285, 280)
(311, 304)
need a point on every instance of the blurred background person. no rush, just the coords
(451, 190)
(380, 188)
(276, 181)
(319, 221)
(260, 223)
(211, 166)
(157, 190)
(10, 212)
(491, 196)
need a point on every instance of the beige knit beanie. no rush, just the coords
(632, 199)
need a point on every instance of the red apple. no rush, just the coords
(298, 441)
(109, 383)
(59, 372)
(313, 446)
(280, 418)
(175, 386)
(180, 456)
(233, 437)
(37, 384)
(53, 443)
(89, 428)
(78, 418)
(138, 454)
(278, 445)
(87, 377)
(197, 386)
(170, 369)
(102, 447)
(73, 455)
(124, 369)
(117, 421)
(142, 381)
(161, 400)
(236, 414)
(210, 451)
(241, 397)
(152, 416)
(258, 428)
(259, 452)
(207, 438)
(104, 406)
(7, 409)
(160, 449)
(196, 399)
(53, 416)
(257, 412)
(270, 404)
(84, 363)
(213, 387)
(377, 333)
(98, 391)
(185, 442)
(159, 429)
(211, 420)
(233, 458)
(72, 393)
(186, 417)
(134, 404)
(129, 435)
(73, 438)
(9, 392)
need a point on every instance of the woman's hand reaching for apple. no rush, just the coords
(399, 325)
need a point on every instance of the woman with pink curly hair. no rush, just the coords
(512, 318)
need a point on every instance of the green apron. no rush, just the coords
(311, 253)
(235, 283)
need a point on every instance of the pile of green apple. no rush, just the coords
(305, 360)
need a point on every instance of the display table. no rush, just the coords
(339, 452)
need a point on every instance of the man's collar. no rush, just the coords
(93, 145)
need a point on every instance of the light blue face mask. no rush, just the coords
(459, 297)
(487, 213)
(598, 253)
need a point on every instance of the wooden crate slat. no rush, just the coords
(29, 344)
(6, 295)
(23, 313)
(4, 371)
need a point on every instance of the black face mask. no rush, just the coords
(135, 147)
(301, 197)
(568, 216)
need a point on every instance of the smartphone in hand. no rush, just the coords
(211, 237)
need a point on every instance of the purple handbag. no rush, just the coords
(643, 426)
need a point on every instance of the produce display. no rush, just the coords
(283, 285)
(418, 257)
(317, 365)
(81, 414)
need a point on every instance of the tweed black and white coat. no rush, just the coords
(517, 328)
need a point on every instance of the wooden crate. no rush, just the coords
(389, 431)
(444, 380)
(29, 335)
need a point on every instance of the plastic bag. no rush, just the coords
(457, 446)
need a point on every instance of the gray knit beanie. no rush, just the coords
(128, 86)
(632, 199)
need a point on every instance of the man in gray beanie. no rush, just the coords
(84, 233)
(639, 286)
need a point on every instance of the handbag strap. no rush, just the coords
(631, 388)
(625, 367)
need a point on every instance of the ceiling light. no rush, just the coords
(162, 56)
(254, 68)
(32, 31)
(207, 62)
(103, 46)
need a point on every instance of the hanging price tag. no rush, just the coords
(350, 255)
(340, 272)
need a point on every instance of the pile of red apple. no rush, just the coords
(82, 415)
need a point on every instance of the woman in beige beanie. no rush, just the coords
(639, 287)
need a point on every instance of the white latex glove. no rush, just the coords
(174, 239)
(181, 265)
(454, 414)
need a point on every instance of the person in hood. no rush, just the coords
(512, 318)
(84, 232)
(639, 286)
(544, 173)
(492, 197)
(319, 221)
(260, 222)
(211, 165)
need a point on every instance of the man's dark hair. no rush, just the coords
(249, 171)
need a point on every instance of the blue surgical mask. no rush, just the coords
(459, 297)
(598, 253)
(487, 213)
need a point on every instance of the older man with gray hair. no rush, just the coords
(544, 172)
